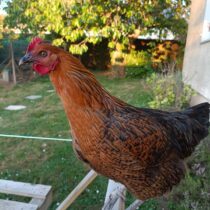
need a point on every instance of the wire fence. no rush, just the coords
(19, 47)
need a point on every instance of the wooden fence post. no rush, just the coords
(13, 63)
(115, 196)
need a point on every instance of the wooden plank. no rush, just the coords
(43, 203)
(14, 205)
(115, 196)
(135, 205)
(24, 189)
(78, 190)
(37, 201)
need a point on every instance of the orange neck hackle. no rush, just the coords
(77, 86)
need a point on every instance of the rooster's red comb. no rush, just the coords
(33, 43)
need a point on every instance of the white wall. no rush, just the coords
(196, 68)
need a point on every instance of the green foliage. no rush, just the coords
(193, 191)
(1, 29)
(138, 71)
(75, 23)
(138, 64)
(1, 26)
(169, 91)
(137, 58)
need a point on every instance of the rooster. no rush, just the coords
(144, 149)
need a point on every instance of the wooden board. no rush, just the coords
(14, 205)
(24, 189)
(41, 203)
(115, 196)
(78, 190)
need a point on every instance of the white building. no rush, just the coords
(196, 69)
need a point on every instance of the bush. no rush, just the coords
(169, 91)
(138, 64)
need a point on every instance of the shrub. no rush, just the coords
(137, 58)
(169, 91)
(138, 64)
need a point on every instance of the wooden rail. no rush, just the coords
(77, 190)
(115, 196)
(41, 195)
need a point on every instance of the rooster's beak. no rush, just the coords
(27, 58)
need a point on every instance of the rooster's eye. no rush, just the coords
(43, 53)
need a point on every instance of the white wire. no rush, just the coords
(34, 137)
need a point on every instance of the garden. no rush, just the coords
(112, 43)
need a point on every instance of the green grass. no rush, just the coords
(54, 163)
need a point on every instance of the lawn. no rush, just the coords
(54, 163)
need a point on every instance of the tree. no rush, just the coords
(1, 26)
(75, 23)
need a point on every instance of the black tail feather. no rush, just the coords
(200, 113)
(197, 125)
